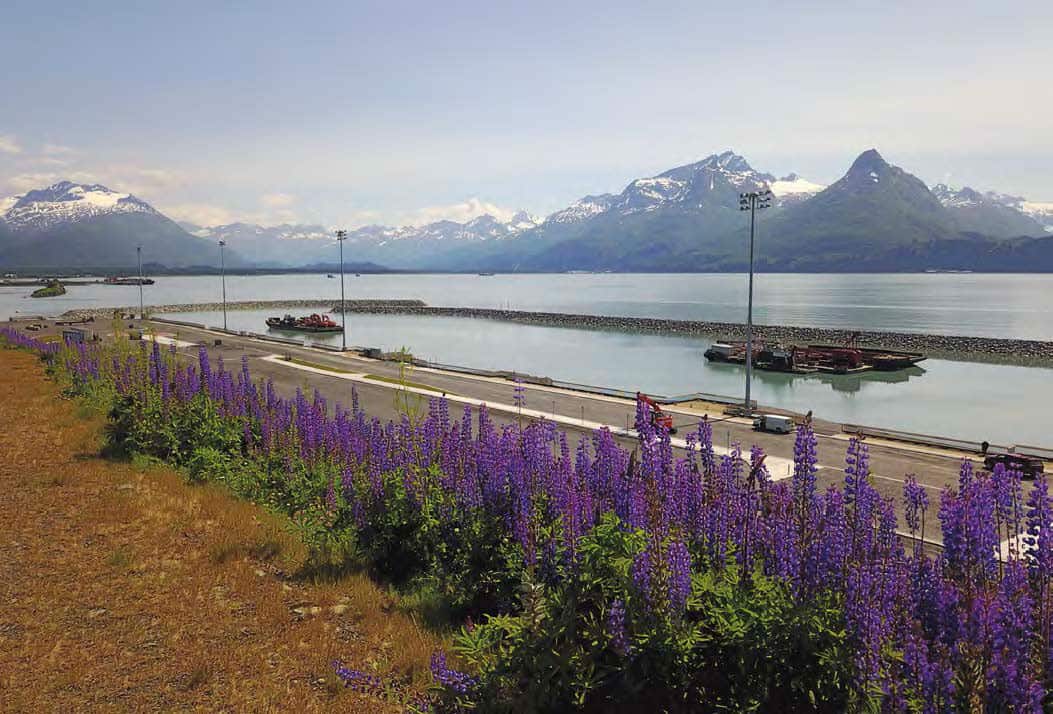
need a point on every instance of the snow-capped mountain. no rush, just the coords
(430, 244)
(89, 226)
(67, 202)
(1040, 211)
(294, 244)
(583, 209)
(285, 244)
(692, 187)
(481, 228)
(992, 213)
(793, 189)
(6, 204)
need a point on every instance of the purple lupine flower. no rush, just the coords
(805, 460)
(678, 567)
(915, 503)
(642, 572)
(519, 394)
(459, 682)
(616, 629)
(358, 680)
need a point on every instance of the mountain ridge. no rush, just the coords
(69, 224)
(685, 217)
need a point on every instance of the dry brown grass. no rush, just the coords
(125, 589)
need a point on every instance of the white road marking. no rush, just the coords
(164, 340)
(779, 468)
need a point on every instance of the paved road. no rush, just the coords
(890, 461)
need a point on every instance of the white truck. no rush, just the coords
(773, 423)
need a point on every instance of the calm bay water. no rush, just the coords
(1003, 404)
(965, 304)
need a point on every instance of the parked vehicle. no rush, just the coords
(773, 423)
(1028, 466)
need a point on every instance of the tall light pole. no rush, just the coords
(752, 201)
(223, 280)
(341, 236)
(139, 256)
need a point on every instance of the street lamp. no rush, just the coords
(752, 201)
(139, 256)
(223, 280)
(341, 236)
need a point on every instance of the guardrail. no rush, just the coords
(914, 438)
(180, 323)
(948, 442)
(1040, 451)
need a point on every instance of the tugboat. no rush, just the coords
(312, 323)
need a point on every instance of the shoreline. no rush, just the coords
(1031, 353)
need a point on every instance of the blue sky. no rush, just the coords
(349, 112)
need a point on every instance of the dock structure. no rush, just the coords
(811, 359)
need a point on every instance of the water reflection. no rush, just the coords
(847, 383)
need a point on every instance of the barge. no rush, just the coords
(310, 323)
(811, 359)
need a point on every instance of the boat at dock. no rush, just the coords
(811, 359)
(311, 323)
(121, 280)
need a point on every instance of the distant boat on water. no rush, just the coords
(485, 274)
(330, 275)
(113, 280)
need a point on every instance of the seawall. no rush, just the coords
(986, 349)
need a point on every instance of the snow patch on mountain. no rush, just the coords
(583, 209)
(1041, 211)
(687, 186)
(68, 202)
(6, 204)
(791, 188)
(965, 197)
(794, 185)
(957, 198)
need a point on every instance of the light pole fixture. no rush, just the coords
(223, 281)
(752, 201)
(341, 236)
(139, 257)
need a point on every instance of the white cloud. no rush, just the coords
(277, 200)
(8, 144)
(276, 210)
(51, 161)
(57, 150)
(459, 212)
(29, 181)
(202, 214)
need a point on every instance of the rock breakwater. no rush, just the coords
(963, 347)
(1010, 351)
(327, 304)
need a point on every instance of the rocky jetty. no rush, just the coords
(988, 349)
(325, 304)
(984, 349)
